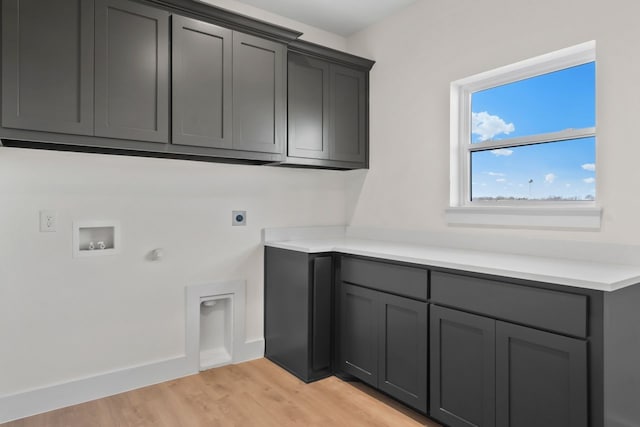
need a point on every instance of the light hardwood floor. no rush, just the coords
(256, 393)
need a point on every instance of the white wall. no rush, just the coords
(63, 318)
(424, 47)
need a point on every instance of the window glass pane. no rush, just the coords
(551, 102)
(552, 171)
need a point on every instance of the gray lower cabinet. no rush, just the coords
(402, 349)
(358, 329)
(298, 312)
(201, 84)
(259, 94)
(383, 342)
(541, 378)
(489, 373)
(47, 65)
(463, 367)
(131, 71)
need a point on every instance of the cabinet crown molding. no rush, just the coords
(226, 18)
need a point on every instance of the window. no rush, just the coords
(524, 136)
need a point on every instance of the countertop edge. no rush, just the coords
(332, 246)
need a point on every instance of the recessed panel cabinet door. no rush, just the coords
(402, 360)
(541, 378)
(348, 114)
(308, 104)
(202, 80)
(132, 71)
(462, 357)
(47, 65)
(259, 94)
(359, 332)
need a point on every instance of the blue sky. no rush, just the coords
(549, 103)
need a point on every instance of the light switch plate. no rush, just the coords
(239, 218)
(48, 221)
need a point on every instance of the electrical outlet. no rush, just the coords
(239, 218)
(48, 221)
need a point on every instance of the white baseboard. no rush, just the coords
(37, 401)
(33, 402)
(251, 350)
(57, 396)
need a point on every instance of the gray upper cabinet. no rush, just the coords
(308, 106)
(47, 65)
(201, 84)
(259, 94)
(132, 71)
(328, 107)
(348, 124)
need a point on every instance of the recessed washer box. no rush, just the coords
(95, 238)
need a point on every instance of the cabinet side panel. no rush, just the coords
(621, 356)
(286, 298)
(321, 337)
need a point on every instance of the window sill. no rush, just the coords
(555, 218)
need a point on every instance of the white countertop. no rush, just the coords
(581, 274)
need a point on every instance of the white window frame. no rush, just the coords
(527, 213)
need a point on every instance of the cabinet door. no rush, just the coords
(541, 378)
(201, 77)
(308, 104)
(462, 357)
(259, 94)
(47, 65)
(402, 357)
(358, 331)
(132, 71)
(348, 114)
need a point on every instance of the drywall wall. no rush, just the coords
(63, 318)
(421, 49)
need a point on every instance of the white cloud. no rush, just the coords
(589, 180)
(500, 180)
(589, 167)
(567, 185)
(487, 126)
(549, 178)
(496, 174)
(502, 152)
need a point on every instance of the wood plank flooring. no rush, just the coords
(256, 393)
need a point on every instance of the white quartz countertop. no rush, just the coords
(581, 274)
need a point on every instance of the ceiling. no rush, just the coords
(343, 17)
